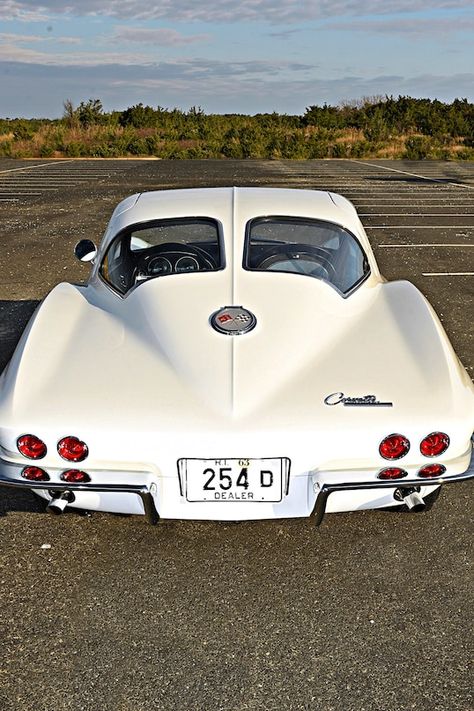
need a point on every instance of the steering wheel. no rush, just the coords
(318, 256)
(171, 253)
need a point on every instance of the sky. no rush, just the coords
(228, 56)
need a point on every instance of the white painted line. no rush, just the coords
(421, 193)
(432, 274)
(415, 175)
(32, 183)
(416, 214)
(18, 190)
(416, 246)
(49, 176)
(32, 167)
(9, 200)
(420, 227)
(384, 204)
(28, 183)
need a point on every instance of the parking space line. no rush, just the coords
(417, 246)
(375, 204)
(436, 274)
(32, 167)
(415, 175)
(19, 191)
(419, 227)
(416, 214)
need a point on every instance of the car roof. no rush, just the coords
(209, 202)
(234, 207)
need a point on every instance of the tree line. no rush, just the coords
(402, 127)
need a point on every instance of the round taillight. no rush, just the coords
(394, 446)
(31, 446)
(392, 473)
(72, 449)
(34, 474)
(432, 471)
(434, 444)
(75, 476)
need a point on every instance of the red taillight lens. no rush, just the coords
(72, 449)
(434, 444)
(34, 474)
(432, 471)
(75, 476)
(31, 446)
(394, 447)
(392, 473)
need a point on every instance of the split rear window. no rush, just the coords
(161, 248)
(313, 248)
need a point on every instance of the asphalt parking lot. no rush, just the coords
(373, 611)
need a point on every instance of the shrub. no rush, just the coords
(46, 151)
(6, 149)
(360, 149)
(75, 149)
(22, 131)
(417, 148)
(340, 150)
(318, 148)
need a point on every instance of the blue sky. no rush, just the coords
(247, 57)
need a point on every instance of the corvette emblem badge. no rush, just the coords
(233, 320)
(361, 401)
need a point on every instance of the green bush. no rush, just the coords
(6, 149)
(465, 154)
(23, 131)
(360, 149)
(138, 146)
(75, 149)
(46, 151)
(340, 150)
(417, 148)
(318, 148)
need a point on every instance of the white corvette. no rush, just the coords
(235, 355)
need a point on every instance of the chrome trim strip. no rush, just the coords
(143, 491)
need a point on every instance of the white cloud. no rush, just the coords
(10, 52)
(412, 26)
(23, 11)
(157, 37)
(8, 38)
(276, 11)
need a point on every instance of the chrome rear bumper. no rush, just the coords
(325, 490)
(144, 491)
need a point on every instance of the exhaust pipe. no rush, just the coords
(412, 499)
(59, 501)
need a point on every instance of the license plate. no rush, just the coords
(242, 480)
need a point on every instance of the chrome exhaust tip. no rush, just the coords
(411, 498)
(59, 501)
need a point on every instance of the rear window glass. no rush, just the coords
(162, 248)
(313, 248)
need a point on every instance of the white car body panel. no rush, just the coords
(145, 380)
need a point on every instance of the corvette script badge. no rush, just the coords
(233, 320)
(364, 401)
